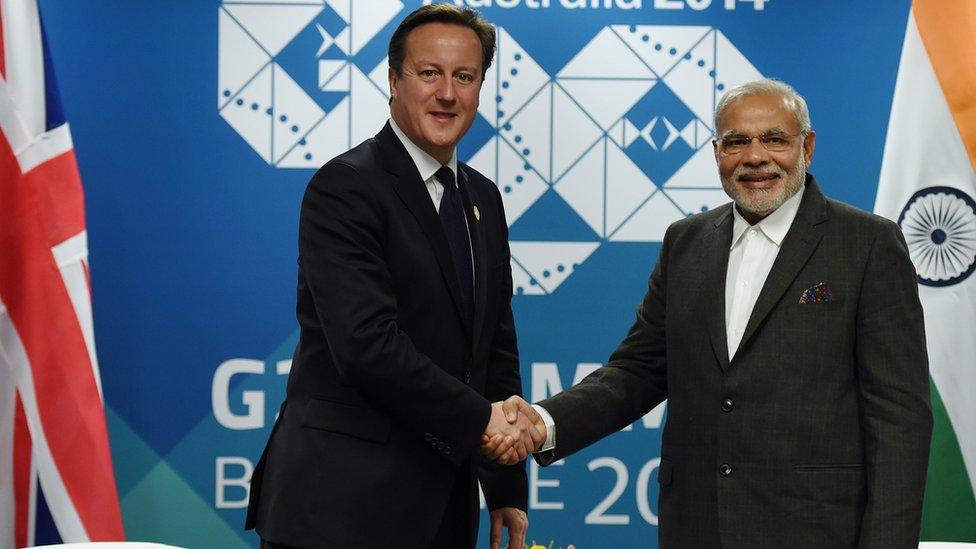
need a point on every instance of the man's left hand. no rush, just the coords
(517, 523)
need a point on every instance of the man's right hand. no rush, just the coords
(524, 431)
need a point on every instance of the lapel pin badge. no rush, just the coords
(477, 213)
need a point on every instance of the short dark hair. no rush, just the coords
(442, 13)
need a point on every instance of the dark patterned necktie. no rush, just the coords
(451, 212)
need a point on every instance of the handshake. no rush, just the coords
(514, 431)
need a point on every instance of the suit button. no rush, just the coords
(727, 405)
(725, 469)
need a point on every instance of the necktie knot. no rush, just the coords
(446, 177)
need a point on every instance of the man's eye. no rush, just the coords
(428, 74)
(465, 78)
(736, 142)
(778, 140)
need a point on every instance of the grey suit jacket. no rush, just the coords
(817, 433)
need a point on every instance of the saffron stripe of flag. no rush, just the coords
(930, 157)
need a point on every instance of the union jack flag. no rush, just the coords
(52, 417)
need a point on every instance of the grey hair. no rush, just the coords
(766, 86)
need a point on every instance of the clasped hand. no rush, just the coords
(514, 431)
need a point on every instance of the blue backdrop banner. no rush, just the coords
(197, 125)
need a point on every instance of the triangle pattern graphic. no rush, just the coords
(582, 187)
(339, 81)
(145, 481)
(379, 76)
(731, 67)
(240, 58)
(673, 134)
(691, 82)
(550, 263)
(327, 40)
(300, 112)
(696, 134)
(274, 26)
(616, 133)
(254, 125)
(528, 132)
(606, 100)
(328, 69)
(573, 132)
(141, 458)
(699, 171)
(343, 8)
(623, 133)
(631, 133)
(369, 18)
(369, 108)
(650, 222)
(606, 56)
(627, 187)
(484, 160)
(519, 76)
(552, 219)
(520, 186)
(326, 140)
(694, 201)
(343, 40)
(164, 498)
(661, 47)
(523, 283)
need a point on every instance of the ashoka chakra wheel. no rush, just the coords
(940, 227)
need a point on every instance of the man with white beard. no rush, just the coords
(786, 332)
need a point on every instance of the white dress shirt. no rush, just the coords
(751, 255)
(427, 165)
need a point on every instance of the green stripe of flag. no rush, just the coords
(949, 512)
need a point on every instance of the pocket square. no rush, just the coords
(821, 292)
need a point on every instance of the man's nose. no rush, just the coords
(445, 89)
(755, 153)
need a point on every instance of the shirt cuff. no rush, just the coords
(550, 441)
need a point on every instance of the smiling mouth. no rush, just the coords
(443, 116)
(758, 180)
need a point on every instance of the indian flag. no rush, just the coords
(928, 185)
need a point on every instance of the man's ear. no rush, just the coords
(392, 77)
(809, 144)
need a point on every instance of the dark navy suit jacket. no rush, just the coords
(390, 387)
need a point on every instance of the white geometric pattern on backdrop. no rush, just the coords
(620, 134)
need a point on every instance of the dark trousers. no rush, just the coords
(457, 530)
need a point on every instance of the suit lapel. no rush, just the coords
(715, 262)
(476, 230)
(798, 245)
(412, 191)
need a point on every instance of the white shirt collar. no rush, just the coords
(775, 225)
(426, 164)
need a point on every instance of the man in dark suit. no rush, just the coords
(786, 332)
(407, 333)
